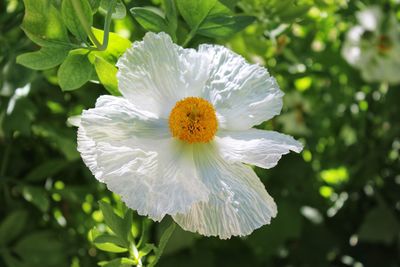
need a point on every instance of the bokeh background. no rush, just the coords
(338, 201)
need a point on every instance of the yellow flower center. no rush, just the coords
(193, 120)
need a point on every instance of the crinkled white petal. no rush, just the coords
(113, 119)
(238, 202)
(256, 147)
(156, 73)
(243, 94)
(132, 153)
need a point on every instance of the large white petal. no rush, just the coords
(132, 153)
(156, 73)
(113, 119)
(256, 147)
(238, 202)
(243, 94)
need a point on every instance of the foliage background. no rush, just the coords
(338, 201)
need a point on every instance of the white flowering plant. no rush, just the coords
(188, 132)
(175, 136)
(373, 46)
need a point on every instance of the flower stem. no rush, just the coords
(79, 12)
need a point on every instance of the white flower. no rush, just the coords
(175, 143)
(373, 46)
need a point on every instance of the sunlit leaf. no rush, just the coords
(43, 24)
(107, 74)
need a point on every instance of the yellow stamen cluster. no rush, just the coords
(193, 120)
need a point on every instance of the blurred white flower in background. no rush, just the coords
(176, 141)
(373, 46)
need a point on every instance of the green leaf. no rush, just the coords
(119, 10)
(43, 24)
(74, 72)
(147, 248)
(94, 4)
(45, 58)
(109, 243)
(163, 242)
(37, 196)
(107, 74)
(12, 226)
(118, 225)
(117, 45)
(171, 16)
(41, 249)
(195, 12)
(58, 138)
(229, 3)
(379, 226)
(11, 260)
(287, 225)
(224, 26)
(107, 238)
(110, 247)
(71, 19)
(46, 170)
(149, 19)
(128, 220)
(120, 262)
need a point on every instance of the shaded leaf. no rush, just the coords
(74, 72)
(71, 19)
(46, 169)
(224, 26)
(149, 19)
(37, 196)
(119, 10)
(171, 16)
(163, 242)
(41, 249)
(118, 225)
(380, 226)
(45, 58)
(12, 226)
(195, 12)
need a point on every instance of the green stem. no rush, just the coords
(81, 16)
(107, 24)
(79, 12)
